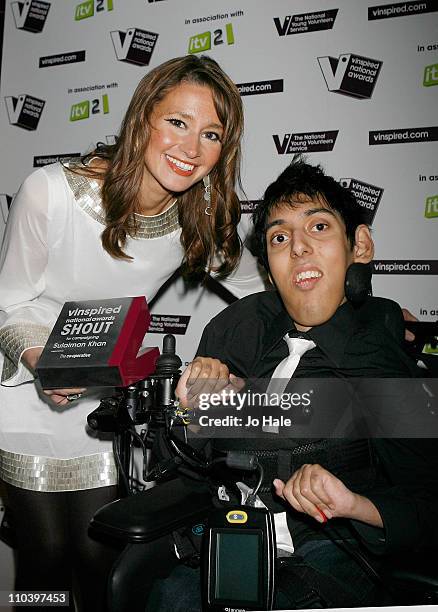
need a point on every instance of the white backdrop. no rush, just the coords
(69, 70)
(351, 83)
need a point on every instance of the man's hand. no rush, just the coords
(204, 375)
(59, 397)
(314, 490)
(408, 316)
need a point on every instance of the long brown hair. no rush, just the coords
(202, 236)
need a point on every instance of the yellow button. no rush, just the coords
(237, 516)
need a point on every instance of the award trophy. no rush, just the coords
(97, 343)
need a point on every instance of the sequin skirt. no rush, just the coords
(48, 474)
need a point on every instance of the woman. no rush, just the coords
(119, 222)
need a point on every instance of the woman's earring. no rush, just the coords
(207, 194)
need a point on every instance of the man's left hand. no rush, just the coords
(317, 492)
(312, 490)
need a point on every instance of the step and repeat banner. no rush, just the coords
(353, 84)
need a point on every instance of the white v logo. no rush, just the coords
(334, 70)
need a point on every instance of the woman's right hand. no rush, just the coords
(59, 397)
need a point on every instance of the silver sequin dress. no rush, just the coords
(51, 254)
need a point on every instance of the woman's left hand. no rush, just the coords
(61, 397)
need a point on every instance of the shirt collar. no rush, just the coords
(280, 325)
(331, 337)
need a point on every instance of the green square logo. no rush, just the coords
(431, 211)
(84, 10)
(79, 111)
(430, 75)
(200, 42)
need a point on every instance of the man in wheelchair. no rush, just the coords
(341, 504)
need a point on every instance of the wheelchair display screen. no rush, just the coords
(238, 559)
(237, 565)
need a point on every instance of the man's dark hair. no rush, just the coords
(302, 179)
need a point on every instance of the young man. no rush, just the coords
(310, 231)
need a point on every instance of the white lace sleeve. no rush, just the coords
(23, 260)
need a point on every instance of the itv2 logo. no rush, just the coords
(81, 110)
(30, 15)
(431, 211)
(89, 7)
(204, 42)
(430, 75)
(350, 74)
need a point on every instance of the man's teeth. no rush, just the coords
(180, 164)
(307, 274)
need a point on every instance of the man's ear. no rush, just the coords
(363, 250)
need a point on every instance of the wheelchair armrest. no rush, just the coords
(416, 569)
(415, 576)
(146, 516)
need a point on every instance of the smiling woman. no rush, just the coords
(119, 221)
(187, 110)
(184, 146)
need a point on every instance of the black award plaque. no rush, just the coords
(96, 343)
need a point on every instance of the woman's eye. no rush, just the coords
(212, 136)
(176, 122)
(279, 239)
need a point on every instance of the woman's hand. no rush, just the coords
(315, 491)
(60, 397)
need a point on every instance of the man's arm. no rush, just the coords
(202, 375)
(315, 491)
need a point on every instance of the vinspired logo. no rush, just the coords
(92, 7)
(350, 74)
(305, 142)
(134, 46)
(24, 111)
(5, 204)
(82, 110)
(367, 196)
(205, 41)
(31, 15)
(305, 22)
